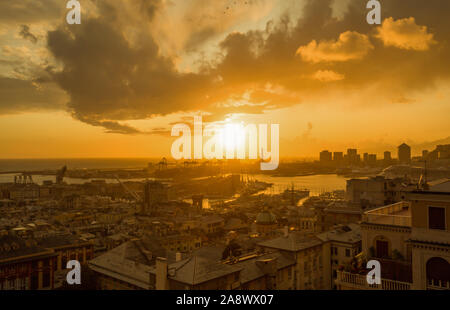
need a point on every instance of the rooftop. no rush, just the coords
(294, 242)
(119, 264)
(198, 269)
(349, 233)
(397, 214)
(252, 271)
(16, 248)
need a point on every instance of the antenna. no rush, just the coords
(425, 172)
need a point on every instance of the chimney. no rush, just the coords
(161, 273)
(269, 267)
(286, 231)
(178, 256)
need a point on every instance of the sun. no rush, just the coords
(232, 137)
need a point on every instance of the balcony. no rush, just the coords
(359, 282)
(433, 284)
(397, 214)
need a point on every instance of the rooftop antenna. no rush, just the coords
(423, 180)
(425, 172)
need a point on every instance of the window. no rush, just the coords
(347, 252)
(46, 279)
(34, 282)
(436, 218)
(382, 249)
(334, 250)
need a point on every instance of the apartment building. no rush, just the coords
(411, 240)
(377, 191)
(345, 244)
(311, 256)
(24, 265)
(430, 240)
(137, 265)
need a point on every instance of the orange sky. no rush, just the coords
(114, 85)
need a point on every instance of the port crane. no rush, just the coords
(60, 175)
(135, 196)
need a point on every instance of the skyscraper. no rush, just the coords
(325, 156)
(404, 153)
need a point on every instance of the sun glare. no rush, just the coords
(232, 137)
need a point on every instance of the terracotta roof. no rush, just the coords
(294, 242)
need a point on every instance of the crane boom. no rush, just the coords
(133, 194)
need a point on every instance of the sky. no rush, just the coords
(115, 85)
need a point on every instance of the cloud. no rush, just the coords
(327, 76)
(350, 45)
(405, 34)
(403, 100)
(25, 11)
(26, 34)
(110, 78)
(118, 65)
(114, 69)
(20, 96)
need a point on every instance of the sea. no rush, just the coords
(316, 184)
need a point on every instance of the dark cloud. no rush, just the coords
(392, 70)
(113, 69)
(26, 11)
(151, 7)
(108, 78)
(26, 34)
(21, 95)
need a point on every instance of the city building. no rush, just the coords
(252, 271)
(68, 247)
(404, 153)
(127, 266)
(154, 194)
(366, 158)
(376, 191)
(411, 240)
(345, 244)
(311, 255)
(387, 159)
(266, 223)
(338, 157)
(326, 157)
(24, 265)
(352, 157)
(372, 160)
